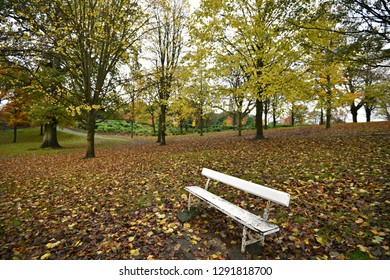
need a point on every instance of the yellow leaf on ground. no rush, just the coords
(135, 252)
(359, 221)
(45, 256)
(362, 248)
(187, 226)
(131, 238)
(321, 240)
(52, 245)
(214, 256)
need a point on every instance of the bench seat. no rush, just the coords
(242, 216)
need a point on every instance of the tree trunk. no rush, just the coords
(387, 114)
(181, 127)
(132, 116)
(354, 110)
(91, 122)
(292, 117)
(259, 120)
(50, 135)
(163, 124)
(354, 113)
(322, 116)
(368, 114)
(15, 132)
(153, 125)
(266, 110)
(239, 123)
(328, 117)
(159, 128)
(274, 116)
(328, 103)
(201, 121)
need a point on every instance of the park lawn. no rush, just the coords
(124, 203)
(29, 140)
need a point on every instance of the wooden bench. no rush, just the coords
(248, 220)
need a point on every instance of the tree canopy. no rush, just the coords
(226, 55)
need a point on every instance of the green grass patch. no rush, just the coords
(358, 255)
(29, 142)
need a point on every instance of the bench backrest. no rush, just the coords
(276, 196)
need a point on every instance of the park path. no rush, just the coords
(104, 137)
(75, 132)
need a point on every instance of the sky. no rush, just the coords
(194, 4)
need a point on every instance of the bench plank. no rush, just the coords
(242, 216)
(275, 196)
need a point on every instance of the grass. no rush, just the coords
(358, 255)
(29, 141)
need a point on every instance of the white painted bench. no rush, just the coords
(248, 220)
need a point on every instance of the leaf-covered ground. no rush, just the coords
(124, 203)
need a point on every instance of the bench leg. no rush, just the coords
(251, 240)
(189, 202)
(243, 242)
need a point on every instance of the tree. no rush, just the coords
(88, 40)
(352, 87)
(167, 41)
(277, 100)
(323, 45)
(14, 90)
(368, 19)
(257, 35)
(15, 113)
(352, 34)
(298, 113)
(48, 113)
(133, 88)
(197, 77)
(182, 110)
(366, 52)
(384, 100)
(240, 100)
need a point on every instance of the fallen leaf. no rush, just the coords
(321, 240)
(362, 248)
(53, 245)
(135, 253)
(177, 247)
(45, 256)
(359, 221)
(131, 239)
(377, 239)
